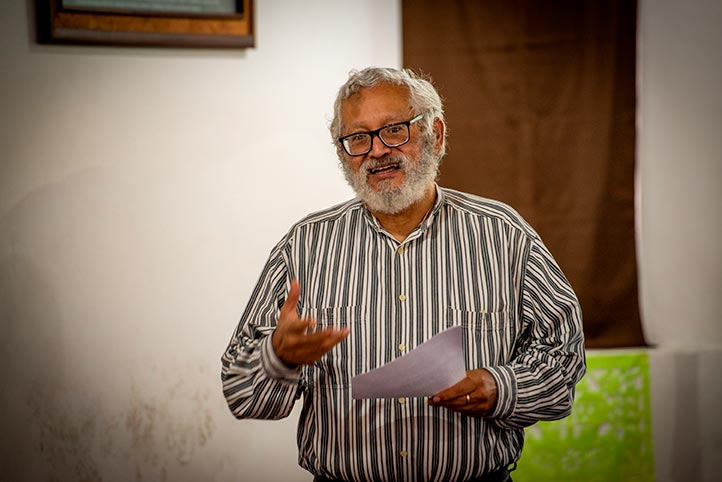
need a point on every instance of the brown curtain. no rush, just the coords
(540, 105)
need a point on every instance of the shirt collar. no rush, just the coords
(423, 225)
(434, 211)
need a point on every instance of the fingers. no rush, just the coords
(326, 338)
(294, 340)
(288, 310)
(288, 320)
(303, 349)
(459, 390)
(296, 326)
(475, 395)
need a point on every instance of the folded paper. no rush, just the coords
(431, 367)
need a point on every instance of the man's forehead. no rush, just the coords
(383, 103)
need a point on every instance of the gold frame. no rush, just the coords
(59, 25)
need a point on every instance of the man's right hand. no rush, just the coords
(294, 340)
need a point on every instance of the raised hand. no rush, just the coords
(295, 341)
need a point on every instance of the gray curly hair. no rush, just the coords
(423, 96)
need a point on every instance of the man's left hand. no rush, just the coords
(475, 395)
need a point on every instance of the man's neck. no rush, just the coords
(401, 224)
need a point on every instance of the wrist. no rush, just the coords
(275, 366)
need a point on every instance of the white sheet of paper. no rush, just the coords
(432, 366)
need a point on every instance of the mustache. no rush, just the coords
(370, 164)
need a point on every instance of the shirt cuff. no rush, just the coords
(506, 391)
(273, 365)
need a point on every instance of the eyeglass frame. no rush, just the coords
(375, 133)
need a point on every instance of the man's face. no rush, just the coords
(387, 179)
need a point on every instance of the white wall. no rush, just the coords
(680, 170)
(680, 230)
(140, 193)
(141, 190)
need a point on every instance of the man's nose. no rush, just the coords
(378, 148)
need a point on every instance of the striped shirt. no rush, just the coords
(471, 262)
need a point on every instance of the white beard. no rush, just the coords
(394, 199)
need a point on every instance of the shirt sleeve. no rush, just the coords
(549, 360)
(256, 383)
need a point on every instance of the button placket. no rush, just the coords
(403, 298)
(404, 407)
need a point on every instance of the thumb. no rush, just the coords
(288, 310)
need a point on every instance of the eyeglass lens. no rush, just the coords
(391, 136)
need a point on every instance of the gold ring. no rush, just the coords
(468, 398)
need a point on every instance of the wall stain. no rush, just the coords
(64, 435)
(169, 430)
(159, 433)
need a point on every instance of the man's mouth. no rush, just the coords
(385, 167)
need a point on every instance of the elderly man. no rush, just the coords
(356, 286)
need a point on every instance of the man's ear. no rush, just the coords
(439, 134)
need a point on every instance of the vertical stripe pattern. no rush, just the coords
(473, 263)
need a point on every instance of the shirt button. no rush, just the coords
(402, 297)
(404, 453)
(400, 250)
(402, 347)
(402, 400)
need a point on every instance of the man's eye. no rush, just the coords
(358, 137)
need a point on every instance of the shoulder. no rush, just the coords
(476, 206)
(339, 213)
(331, 214)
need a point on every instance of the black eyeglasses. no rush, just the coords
(394, 135)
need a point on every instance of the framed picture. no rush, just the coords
(156, 23)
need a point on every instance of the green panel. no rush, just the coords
(608, 437)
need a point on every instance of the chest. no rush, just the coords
(394, 296)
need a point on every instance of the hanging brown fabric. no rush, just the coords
(540, 105)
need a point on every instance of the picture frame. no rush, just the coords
(147, 23)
